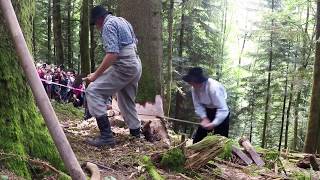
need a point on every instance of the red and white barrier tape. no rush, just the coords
(50, 82)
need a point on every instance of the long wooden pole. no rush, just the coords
(39, 93)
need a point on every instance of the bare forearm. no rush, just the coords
(106, 63)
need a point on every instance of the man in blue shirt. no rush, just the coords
(119, 73)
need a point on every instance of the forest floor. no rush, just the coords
(124, 160)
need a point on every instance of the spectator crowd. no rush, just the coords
(62, 85)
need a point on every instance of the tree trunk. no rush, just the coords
(145, 17)
(179, 98)
(182, 29)
(284, 108)
(57, 31)
(170, 49)
(22, 130)
(223, 31)
(84, 39)
(268, 97)
(69, 36)
(311, 143)
(49, 32)
(93, 43)
(296, 121)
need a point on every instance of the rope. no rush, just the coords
(171, 119)
(163, 117)
(50, 82)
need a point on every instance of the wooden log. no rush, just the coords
(39, 93)
(200, 153)
(244, 142)
(309, 161)
(241, 155)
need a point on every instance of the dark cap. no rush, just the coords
(195, 75)
(96, 13)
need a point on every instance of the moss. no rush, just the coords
(300, 176)
(151, 169)
(67, 110)
(63, 176)
(227, 150)
(174, 160)
(22, 130)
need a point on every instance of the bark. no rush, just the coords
(57, 31)
(49, 15)
(311, 142)
(253, 153)
(22, 130)
(170, 49)
(84, 38)
(145, 17)
(182, 29)
(268, 97)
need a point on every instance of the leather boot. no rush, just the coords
(106, 137)
(135, 132)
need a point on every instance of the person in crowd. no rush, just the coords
(209, 99)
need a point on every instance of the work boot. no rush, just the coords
(106, 138)
(135, 132)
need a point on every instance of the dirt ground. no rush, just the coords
(123, 161)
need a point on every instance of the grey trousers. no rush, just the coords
(121, 79)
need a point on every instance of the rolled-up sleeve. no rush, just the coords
(110, 39)
(199, 108)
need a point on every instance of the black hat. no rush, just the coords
(96, 13)
(195, 75)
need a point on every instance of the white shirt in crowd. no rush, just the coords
(211, 95)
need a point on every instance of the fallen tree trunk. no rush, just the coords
(241, 155)
(200, 153)
(245, 143)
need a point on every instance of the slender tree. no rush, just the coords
(170, 49)
(84, 38)
(268, 97)
(93, 43)
(284, 107)
(49, 31)
(69, 35)
(57, 31)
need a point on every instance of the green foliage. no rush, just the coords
(301, 176)
(173, 159)
(227, 150)
(67, 110)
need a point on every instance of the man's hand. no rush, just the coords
(206, 124)
(91, 77)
